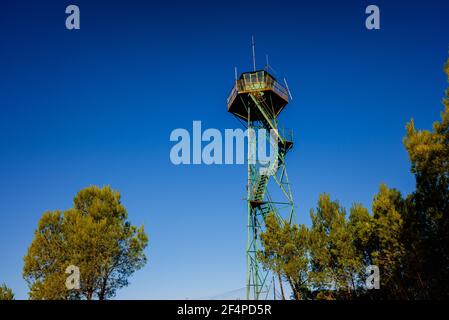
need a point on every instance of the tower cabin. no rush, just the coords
(257, 96)
(265, 88)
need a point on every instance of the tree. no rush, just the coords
(94, 236)
(387, 246)
(334, 257)
(427, 221)
(285, 253)
(361, 228)
(6, 293)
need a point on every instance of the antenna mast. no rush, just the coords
(288, 90)
(254, 53)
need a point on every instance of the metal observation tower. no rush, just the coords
(258, 98)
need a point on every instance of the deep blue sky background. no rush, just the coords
(97, 105)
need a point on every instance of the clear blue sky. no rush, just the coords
(97, 105)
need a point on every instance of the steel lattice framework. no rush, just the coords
(257, 98)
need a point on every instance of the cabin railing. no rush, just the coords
(257, 81)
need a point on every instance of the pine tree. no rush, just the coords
(427, 221)
(286, 254)
(94, 236)
(334, 257)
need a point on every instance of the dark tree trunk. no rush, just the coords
(281, 286)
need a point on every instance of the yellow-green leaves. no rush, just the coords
(285, 252)
(95, 237)
(6, 293)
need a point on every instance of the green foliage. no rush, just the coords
(388, 249)
(6, 293)
(335, 261)
(328, 260)
(361, 226)
(94, 236)
(286, 253)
